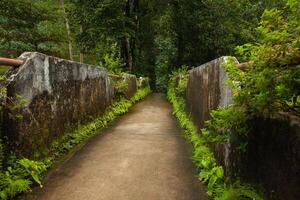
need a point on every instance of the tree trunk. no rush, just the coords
(81, 57)
(127, 43)
(134, 40)
(62, 3)
(81, 52)
(129, 54)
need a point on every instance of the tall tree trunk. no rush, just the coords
(81, 53)
(81, 57)
(127, 43)
(62, 3)
(134, 39)
(129, 54)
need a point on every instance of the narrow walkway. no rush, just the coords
(141, 157)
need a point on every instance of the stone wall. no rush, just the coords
(57, 94)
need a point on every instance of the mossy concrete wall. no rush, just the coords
(207, 90)
(132, 85)
(272, 155)
(57, 94)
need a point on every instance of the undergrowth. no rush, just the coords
(21, 173)
(218, 186)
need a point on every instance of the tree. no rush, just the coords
(62, 3)
(28, 25)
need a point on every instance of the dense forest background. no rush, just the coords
(144, 37)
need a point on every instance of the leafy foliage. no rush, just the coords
(224, 123)
(157, 37)
(19, 176)
(146, 37)
(237, 191)
(166, 44)
(11, 186)
(120, 85)
(27, 25)
(272, 83)
(268, 86)
(112, 62)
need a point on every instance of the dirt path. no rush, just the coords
(141, 157)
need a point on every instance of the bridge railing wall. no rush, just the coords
(48, 95)
(272, 155)
(206, 91)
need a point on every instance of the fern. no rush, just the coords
(33, 169)
(212, 177)
(238, 191)
(11, 185)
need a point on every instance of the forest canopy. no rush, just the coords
(145, 37)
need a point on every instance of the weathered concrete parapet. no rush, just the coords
(143, 82)
(132, 85)
(57, 93)
(273, 143)
(207, 90)
(125, 85)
